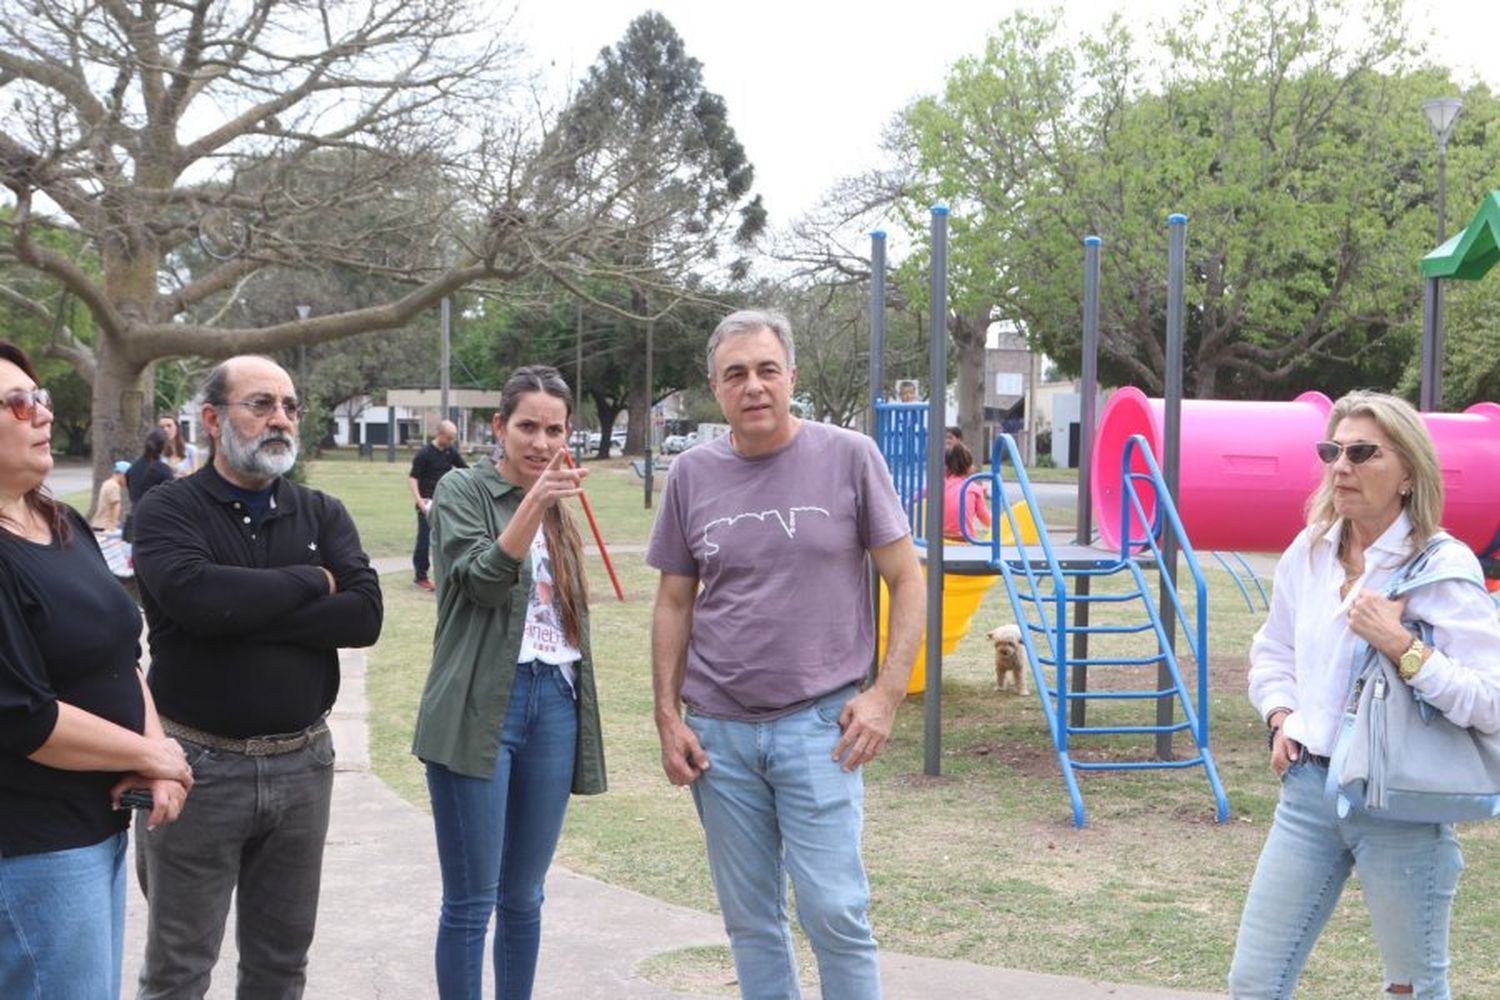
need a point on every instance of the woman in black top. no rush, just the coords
(146, 472)
(77, 726)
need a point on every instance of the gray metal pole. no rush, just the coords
(578, 385)
(446, 362)
(1432, 291)
(1171, 456)
(937, 381)
(877, 389)
(650, 336)
(1089, 389)
(390, 434)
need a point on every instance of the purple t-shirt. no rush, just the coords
(779, 545)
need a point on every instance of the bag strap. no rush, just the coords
(1414, 573)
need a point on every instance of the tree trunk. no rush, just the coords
(969, 332)
(608, 411)
(639, 407)
(122, 398)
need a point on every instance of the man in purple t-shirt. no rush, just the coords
(763, 631)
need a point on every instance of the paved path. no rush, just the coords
(380, 898)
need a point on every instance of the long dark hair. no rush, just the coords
(37, 498)
(176, 447)
(564, 542)
(151, 448)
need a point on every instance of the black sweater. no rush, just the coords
(69, 633)
(244, 634)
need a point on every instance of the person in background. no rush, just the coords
(952, 435)
(177, 453)
(509, 718)
(433, 461)
(77, 725)
(146, 473)
(108, 509)
(1378, 505)
(975, 511)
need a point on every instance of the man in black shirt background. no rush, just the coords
(251, 583)
(433, 461)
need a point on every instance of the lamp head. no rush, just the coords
(1441, 113)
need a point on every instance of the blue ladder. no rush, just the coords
(1037, 579)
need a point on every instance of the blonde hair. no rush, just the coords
(1403, 428)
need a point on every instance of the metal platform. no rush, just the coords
(982, 560)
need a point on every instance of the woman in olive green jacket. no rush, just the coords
(509, 719)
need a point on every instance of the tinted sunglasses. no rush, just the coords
(22, 403)
(1358, 454)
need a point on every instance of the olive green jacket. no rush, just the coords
(482, 595)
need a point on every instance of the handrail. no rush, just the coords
(1166, 516)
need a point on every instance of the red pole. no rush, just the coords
(598, 538)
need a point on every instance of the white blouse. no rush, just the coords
(1302, 657)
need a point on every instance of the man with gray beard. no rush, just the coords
(250, 583)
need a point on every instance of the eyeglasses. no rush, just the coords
(263, 406)
(22, 403)
(1358, 454)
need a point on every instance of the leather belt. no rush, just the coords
(254, 746)
(1313, 758)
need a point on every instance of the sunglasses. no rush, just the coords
(263, 406)
(22, 403)
(1358, 454)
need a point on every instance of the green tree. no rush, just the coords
(1298, 161)
(199, 149)
(643, 113)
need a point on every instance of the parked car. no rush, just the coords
(675, 443)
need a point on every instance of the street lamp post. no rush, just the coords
(1441, 113)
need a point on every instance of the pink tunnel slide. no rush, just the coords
(1248, 468)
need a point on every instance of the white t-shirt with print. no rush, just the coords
(543, 637)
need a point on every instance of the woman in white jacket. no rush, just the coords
(1378, 504)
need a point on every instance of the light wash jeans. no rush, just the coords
(496, 835)
(62, 923)
(774, 802)
(254, 828)
(1408, 873)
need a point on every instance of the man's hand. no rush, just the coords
(682, 756)
(867, 720)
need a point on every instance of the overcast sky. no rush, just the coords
(810, 84)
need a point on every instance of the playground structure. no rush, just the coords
(1244, 486)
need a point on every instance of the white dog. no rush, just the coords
(1010, 657)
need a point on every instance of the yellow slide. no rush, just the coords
(961, 598)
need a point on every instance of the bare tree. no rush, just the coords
(205, 148)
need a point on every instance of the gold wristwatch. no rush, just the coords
(1411, 660)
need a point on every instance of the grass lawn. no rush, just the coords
(981, 863)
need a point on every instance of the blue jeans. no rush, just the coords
(62, 923)
(253, 828)
(1408, 873)
(420, 561)
(774, 802)
(496, 835)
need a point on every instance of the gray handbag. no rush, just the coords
(1396, 756)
